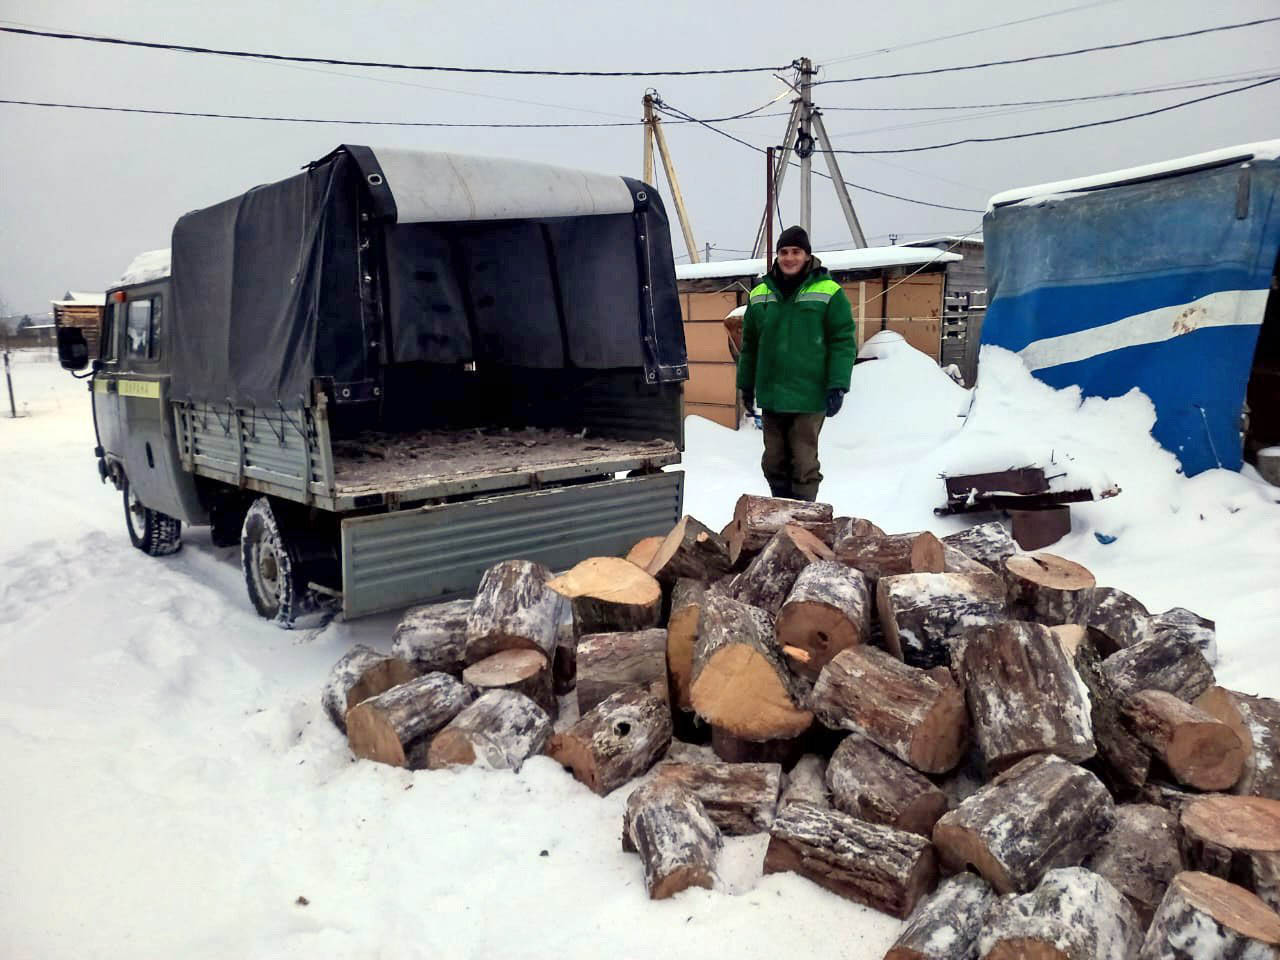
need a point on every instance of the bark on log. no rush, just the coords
(1139, 856)
(609, 662)
(522, 671)
(564, 666)
(769, 578)
(1039, 814)
(396, 726)
(732, 749)
(1237, 839)
(683, 627)
(1117, 621)
(867, 783)
(843, 527)
(1203, 916)
(1024, 695)
(740, 682)
(807, 782)
(690, 550)
(988, 543)
(1198, 750)
(1181, 622)
(955, 560)
(434, 637)
(1256, 721)
(918, 716)
(828, 610)
(1123, 761)
(361, 673)
(740, 798)
(514, 609)
(1047, 589)
(1072, 915)
(643, 552)
(676, 838)
(921, 612)
(757, 519)
(1167, 796)
(499, 731)
(608, 593)
(945, 925)
(891, 555)
(621, 738)
(1172, 664)
(886, 869)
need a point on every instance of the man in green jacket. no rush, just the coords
(796, 360)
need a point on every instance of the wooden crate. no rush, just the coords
(715, 412)
(712, 383)
(707, 343)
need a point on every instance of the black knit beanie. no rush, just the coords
(794, 237)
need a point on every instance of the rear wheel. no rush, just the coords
(272, 572)
(154, 533)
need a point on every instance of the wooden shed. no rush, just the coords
(889, 288)
(83, 310)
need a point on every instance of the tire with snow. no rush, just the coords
(272, 571)
(154, 533)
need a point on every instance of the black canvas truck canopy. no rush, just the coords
(374, 257)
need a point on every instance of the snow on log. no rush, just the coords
(683, 626)
(514, 609)
(396, 726)
(1181, 622)
(1206, 918)
(676, 838)
(828, 610)
(918, 716)
(757, 519)
(1198, 750)
(807, 782)
(1072, 914)
(1172, 664)
(361, 673)
(1024, 695)
(1236, 838)
(867, 783)
(920, 612)
(1139, 856)
(500, 730)
(740, 682)
(890, 555)
(945, 925)
(842, 527)
(609, 662)
(886, 869)
(769, 578)
(620, 738)
(1256, 721)
(524, 671)
(741, 798)
(955, 560)
(433, 636)
(1117, 621)
(1048, 589)
(1039, 814)
(643, 552)
(608, 593)
(988, 543)
(690, 550)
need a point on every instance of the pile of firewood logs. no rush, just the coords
(981, 741)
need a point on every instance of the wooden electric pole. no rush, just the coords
(653, 135)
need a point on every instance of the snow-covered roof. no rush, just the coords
(976, 238)
(866, 258)
(1262, 150)
(145, 267)
(80, 298)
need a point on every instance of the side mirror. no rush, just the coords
(73, 351)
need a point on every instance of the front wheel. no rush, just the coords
(271, 569)
(154, 533)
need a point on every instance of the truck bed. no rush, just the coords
(441, 462)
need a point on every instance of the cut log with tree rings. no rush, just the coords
(524, 671)
(922, 612)
(361, 673)
(396, 726)
(1048, 589)
(675, 836)
(945, 925)
(434, 636)
(1139, 856)
(843, 527)
(1173, 664)
(871, 785)
(498, 731)
(1236, 838)
(1203, 916)
(1117, 621)
(643, 552)
(757, 519)
(609, 593)
(828, 610)
(888, 556)
(683, 626)
(621, 738)
(741, 798)
(769, 578)
(609, 662)
(514, 609)
(988, 543)
(690, 550)
(1256, 721)
(1198, 750)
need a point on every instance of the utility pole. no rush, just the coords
(653, 134)
(804, 144)
(768, 200)
(708, 257)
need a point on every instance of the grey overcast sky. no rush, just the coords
(81, 193)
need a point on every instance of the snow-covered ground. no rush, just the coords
(173, 789)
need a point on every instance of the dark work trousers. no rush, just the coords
(790, 460)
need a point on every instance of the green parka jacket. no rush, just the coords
(796, 349)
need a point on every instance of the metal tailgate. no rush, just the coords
(390, 560)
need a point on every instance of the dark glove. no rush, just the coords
(835, 400)
(748, 398)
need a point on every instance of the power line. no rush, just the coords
(1050, 56)
(504, 71)
(1075, 126)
